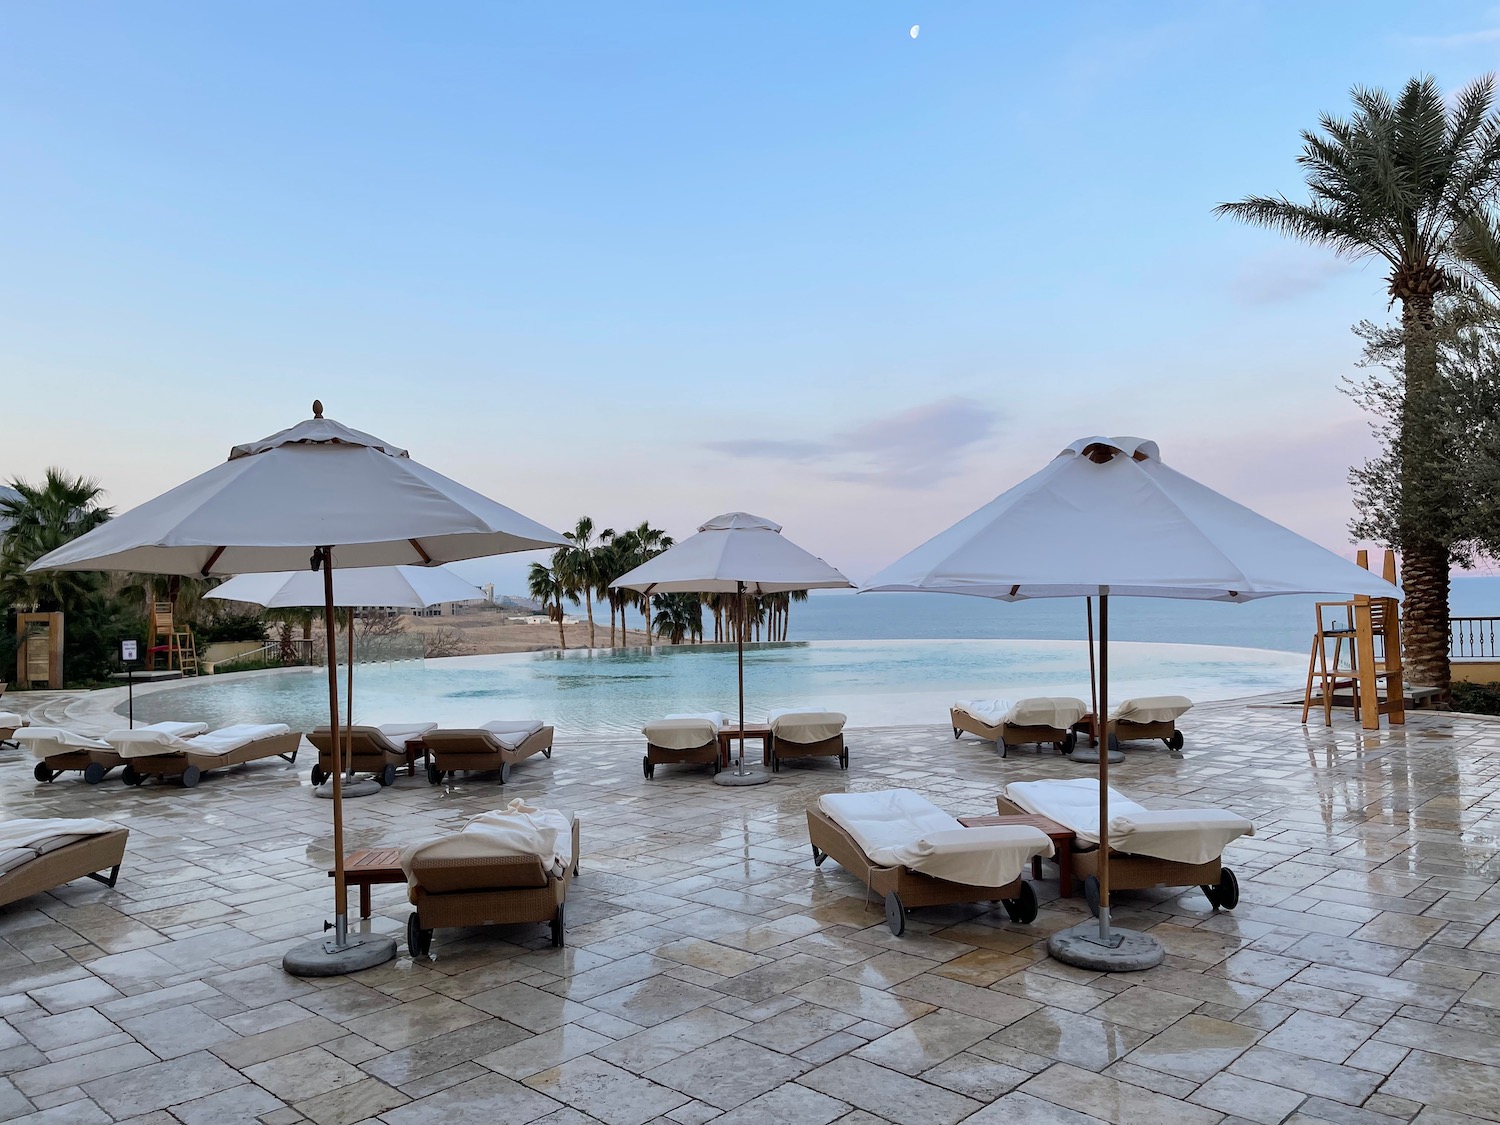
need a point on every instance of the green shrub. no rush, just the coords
(231, 625)
(1476, 699)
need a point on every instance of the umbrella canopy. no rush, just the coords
(740, 554)
(1107, 517)
(406, 587)
(316, 484)
(317, 493)
(733, 553)
(1168, 536)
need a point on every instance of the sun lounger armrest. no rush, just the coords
(1182, 835)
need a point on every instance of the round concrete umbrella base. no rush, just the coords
(749, 777)
(364, 787)
(1130, 951)
(1091, 754)
(314, 959)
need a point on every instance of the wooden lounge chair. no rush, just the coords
(493, 746)
(161, 754)
(58, 750)
(1141, 719)
(453, 883)
(377, 750)
(10, 722)
(1148, 848)
(1040, 720)
(861, 831)
(682, 740)
(806, 733)
(93, 846)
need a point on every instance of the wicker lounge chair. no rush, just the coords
(10, 722)
(682, 740)
(493, 746)
(806, 733)
(161, 754)
(39, 855)
(1036, 721)
(1141, 719)
(377, 750)
(58, 750)
(905, 848)
(1148, 848)
(453, 882)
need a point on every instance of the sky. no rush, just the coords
(657, 262)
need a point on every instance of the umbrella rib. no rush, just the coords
(213, 558)
(417, 547)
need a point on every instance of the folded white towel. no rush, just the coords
(517, 829)
(43, 742)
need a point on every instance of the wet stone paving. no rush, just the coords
(712, 973)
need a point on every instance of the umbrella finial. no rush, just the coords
(317, 408)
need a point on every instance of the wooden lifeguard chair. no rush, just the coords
(175, 641)
(1371, 629)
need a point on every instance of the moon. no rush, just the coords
(916, 29)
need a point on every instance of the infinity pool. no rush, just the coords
(608, 693)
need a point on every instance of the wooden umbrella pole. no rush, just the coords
(349, 701)
(739, 638)
(1101, 728)
(1088, 609)
(330, 627)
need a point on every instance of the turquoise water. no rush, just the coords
(876, 683)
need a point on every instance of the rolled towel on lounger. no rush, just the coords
(1181, 835)
(901, 828)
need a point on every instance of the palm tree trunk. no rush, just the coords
(588, 601)
(1424, 560)
(562, 637)
(611, 621)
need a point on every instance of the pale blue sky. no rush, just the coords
(665, 260)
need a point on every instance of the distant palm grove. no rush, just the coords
(581, 574)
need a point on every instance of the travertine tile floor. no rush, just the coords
(712, 974)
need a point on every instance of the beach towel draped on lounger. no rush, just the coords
(1146, 717)
(10, 722)
(38, 855)
(806, 732)
(509, 865)
(915, 854)
(377, 750)
(152, 752)
(684, 738)
(491, 746)
(1036, 720)
(57, 749)
(1174, 847)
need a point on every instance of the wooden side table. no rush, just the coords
(415, 748)
(750, 730)
(368, 866)
(1062, 841)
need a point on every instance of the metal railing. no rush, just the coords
(1473, 638)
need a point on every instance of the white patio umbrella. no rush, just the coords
(739, 554)
(323, 494)
(1106, 517)
(401, 587)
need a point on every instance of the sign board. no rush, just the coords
(127, 651)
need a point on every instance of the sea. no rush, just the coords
(1282, 624)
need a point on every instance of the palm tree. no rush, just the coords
(580, 566)
(42, 518)
(678, 616)
(545, 585)
(1407, 181)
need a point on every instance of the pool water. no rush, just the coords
(614, 692)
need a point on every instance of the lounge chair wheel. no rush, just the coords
(434, 775)
(895, 913)
(818, 856)
(775, 764)
(1225, 896)
(955, 734)
(387, 776)
(93, 773)
(1091, 894)
(418, 940)
(129, 775)
(1022, 908)
(1175, 742)
(191, 776)
(318, 776)
(647, 769)
(714, 769)
(547, 753)
(1114, 744)
(504, 772)
(844, 760)
(1070, 740)
(42, 773)
(557, 927)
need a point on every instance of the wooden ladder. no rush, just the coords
(183, 651)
